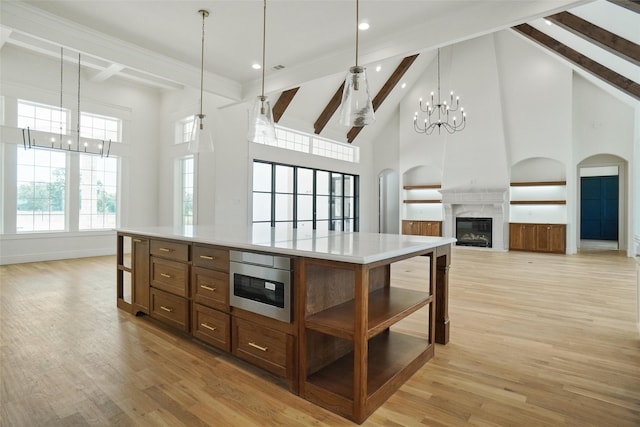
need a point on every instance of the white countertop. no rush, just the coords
(359, 248)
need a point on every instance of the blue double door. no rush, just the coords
(599, 208)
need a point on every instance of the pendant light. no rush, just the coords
(201, 140)
(262, 129)
(356, 108)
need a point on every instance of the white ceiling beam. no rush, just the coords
(5, 33)
(107, 73)
(23, 18)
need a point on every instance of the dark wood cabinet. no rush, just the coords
(422, 228)
(537, 237)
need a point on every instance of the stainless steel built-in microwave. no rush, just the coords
(261, 284)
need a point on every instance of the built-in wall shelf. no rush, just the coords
(422, 187)
(538, 202)
(422, 209)
(537, 183)
(422, 201)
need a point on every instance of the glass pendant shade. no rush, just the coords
(356, 108)
(201, 140)
(262, 129)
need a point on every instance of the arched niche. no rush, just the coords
(422, 175)
(536, 169)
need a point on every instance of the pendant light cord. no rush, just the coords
(438, 75)
(78, 125)
(357, 35)
(204, 15)
(264, 41)
(61, 82)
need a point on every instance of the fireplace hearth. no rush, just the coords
(474, 232)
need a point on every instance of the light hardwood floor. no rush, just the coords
(536, 340)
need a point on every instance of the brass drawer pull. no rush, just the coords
(254, 345)
(168, 276)
(207, 257)
(164, 250)
(205, 325)
(137, 241)
(169, 309)
(209, 288)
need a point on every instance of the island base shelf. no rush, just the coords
(393, 358)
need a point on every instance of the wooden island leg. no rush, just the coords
(443, 258)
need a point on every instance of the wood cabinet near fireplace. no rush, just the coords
(422, 228)
(537, 237)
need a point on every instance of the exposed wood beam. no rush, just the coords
(283, 102)
(633, 5)
(328, 111)
(607, 40)
(624, 84)
(386, 89)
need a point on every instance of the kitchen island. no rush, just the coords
(344, 347)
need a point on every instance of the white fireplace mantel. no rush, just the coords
(477, 202)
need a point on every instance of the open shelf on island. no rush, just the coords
(386, 307)
(389, 354)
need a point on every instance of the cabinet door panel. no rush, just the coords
(140, 275)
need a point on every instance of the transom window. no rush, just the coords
(184, 129)
(298, 197)
(42, 117)
(303, 142)
(100, 127)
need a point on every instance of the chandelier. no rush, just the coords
(86, 146)
(444, 118)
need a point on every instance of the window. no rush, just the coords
(42, 117)
(290, 139)
(184, 129)
(41, 186)
(298, 197)
(188, 175)
(98, 192)
(99, 127)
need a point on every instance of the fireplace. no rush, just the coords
(474, 232)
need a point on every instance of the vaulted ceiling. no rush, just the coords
(312, 42)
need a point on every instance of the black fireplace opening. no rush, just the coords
(474, 232)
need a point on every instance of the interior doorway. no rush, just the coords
(601, 214)
(388, 202)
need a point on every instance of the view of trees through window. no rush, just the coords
(41, 185)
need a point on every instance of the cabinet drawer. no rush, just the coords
(211, 326)
(170, 276)
(264, 347)
(170, 309)
(211, 257)
(170, 250)
(210, 288)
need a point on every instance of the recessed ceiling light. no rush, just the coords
(363, 26)
(403, 85)
(379, 67)
(546, 21)
(256, 66)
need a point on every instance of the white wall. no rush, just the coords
(32, 77)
